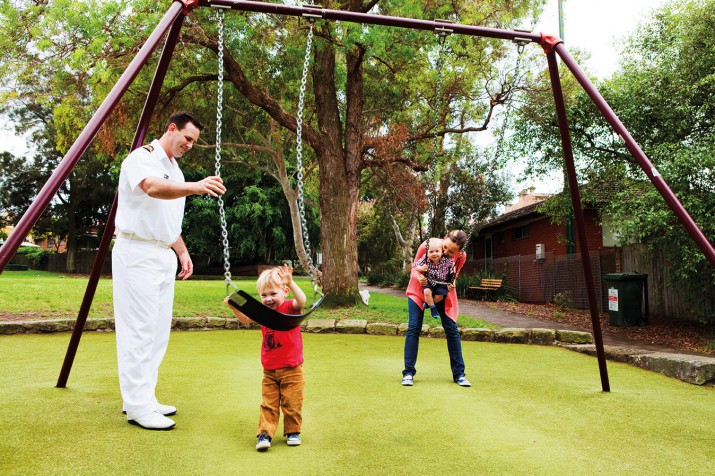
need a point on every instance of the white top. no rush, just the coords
(138, 213)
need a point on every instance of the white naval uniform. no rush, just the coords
(143, 272)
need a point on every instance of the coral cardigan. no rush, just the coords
(414, 289)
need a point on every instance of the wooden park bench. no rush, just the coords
(488, 285)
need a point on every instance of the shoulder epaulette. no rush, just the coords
(148, 147)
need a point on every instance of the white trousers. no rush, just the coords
(143, 281)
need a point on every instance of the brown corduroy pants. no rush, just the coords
(282, 391)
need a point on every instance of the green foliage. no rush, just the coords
(63, 57)
(37, 256)
(376, 238)
(386, 273)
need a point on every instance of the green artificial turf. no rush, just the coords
(39, 294)
(532, 410)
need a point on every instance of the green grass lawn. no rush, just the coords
(39, 294)
(532, 410)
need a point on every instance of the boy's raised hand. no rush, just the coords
(286, 274)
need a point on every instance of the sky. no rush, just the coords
(596, 27)
(593, 26)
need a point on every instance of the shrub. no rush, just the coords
(562, 300)
(37, 256)
(384, 274)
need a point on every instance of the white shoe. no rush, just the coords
(154, 421)
(166, 410)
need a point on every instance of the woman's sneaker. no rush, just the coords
(264, 442)
(293, 439)
(463, 382)
(407, 380)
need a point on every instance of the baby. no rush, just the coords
(436, 268)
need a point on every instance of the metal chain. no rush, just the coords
(219, 116)
(500, 141)
(507, 110)
(299, 159)
(435, 142)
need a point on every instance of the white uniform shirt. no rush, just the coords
(138, 213)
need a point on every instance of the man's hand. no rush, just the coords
(212, 185)
(187, 266)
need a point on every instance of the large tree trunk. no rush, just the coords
(339, 173)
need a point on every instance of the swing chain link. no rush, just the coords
(219, 117)
(299, 159)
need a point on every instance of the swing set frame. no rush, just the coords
(170, 26)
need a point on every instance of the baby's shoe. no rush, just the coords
(435, 312)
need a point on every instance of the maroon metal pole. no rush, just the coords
(370, 19)
(63, 170)
(685, 219)
(578, 214)
(99, 260)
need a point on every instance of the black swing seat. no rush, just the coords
(265, 316)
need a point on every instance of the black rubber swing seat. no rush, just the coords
(265, 316)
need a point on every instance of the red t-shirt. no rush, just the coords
(282, 349)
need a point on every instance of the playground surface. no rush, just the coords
(532, 410)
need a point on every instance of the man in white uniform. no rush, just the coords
(150, 210)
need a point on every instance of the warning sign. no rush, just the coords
(612, 299)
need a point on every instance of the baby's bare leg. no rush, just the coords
(428, 296)
(438, 298)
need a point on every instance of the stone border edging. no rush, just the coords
(694, 369)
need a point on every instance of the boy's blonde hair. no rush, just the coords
(434, 243)
(269, 278)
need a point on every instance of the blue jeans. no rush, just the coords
(412, 340)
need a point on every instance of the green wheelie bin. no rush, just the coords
(625, 299)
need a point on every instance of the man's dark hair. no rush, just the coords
(181, 118)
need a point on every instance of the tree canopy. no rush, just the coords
(371, 90)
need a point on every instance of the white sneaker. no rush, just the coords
(166, 410)
(154, 421)
(264, 442)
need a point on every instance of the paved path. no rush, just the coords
(511, 319)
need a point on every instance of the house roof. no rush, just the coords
(601, 193)
(513, 215)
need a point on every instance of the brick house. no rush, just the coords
(540, 259)
(523, 230)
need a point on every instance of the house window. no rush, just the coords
(570, 235)
(488, 248)
(519, 233)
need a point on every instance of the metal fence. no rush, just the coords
(532, 279)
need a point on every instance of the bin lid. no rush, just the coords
(625, 276)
